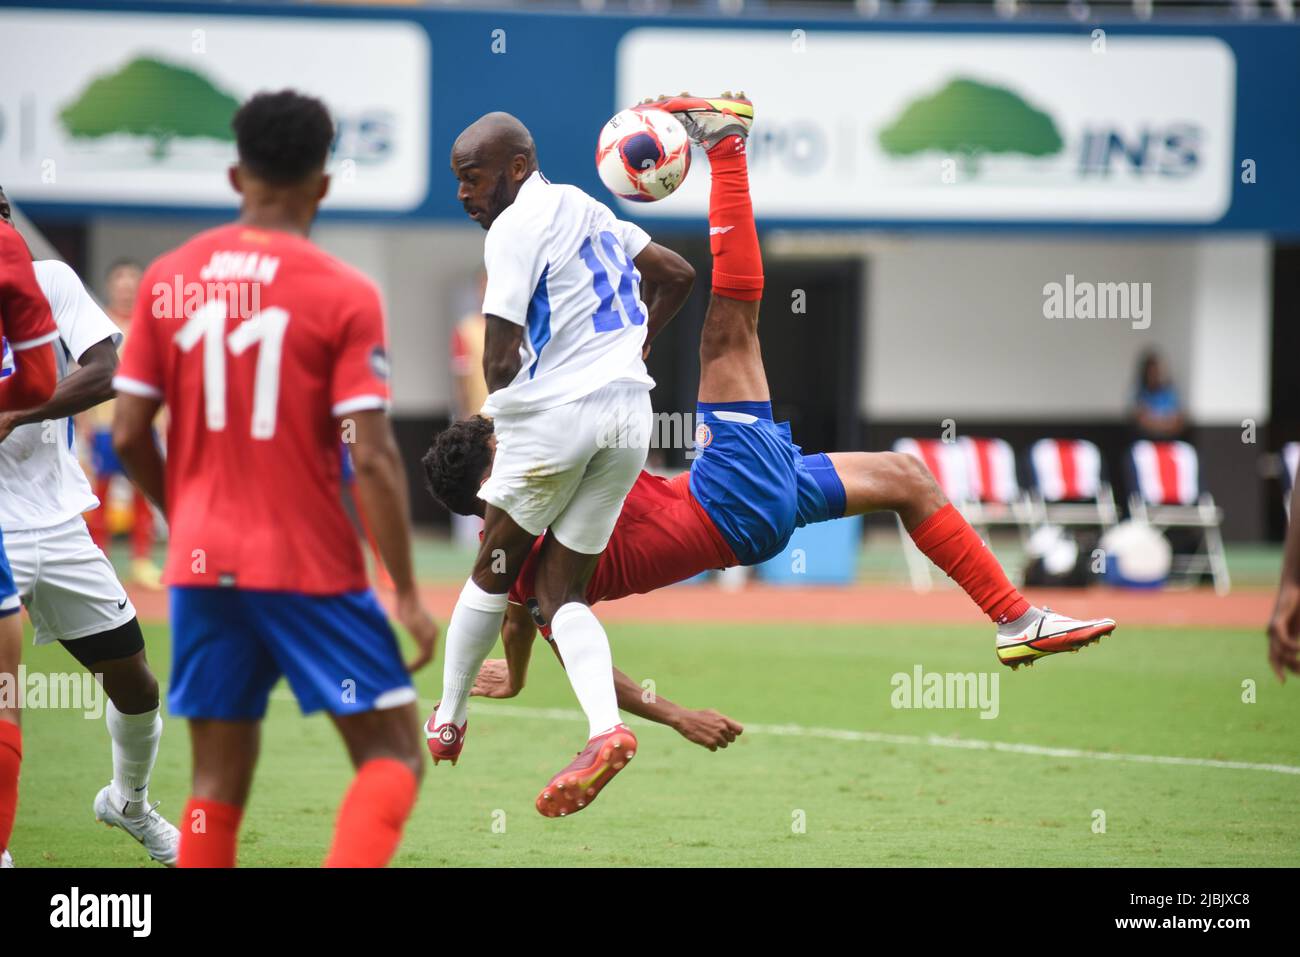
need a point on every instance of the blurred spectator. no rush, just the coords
(470, 390)
(120, 288)
(1157, 411)
(467, 358)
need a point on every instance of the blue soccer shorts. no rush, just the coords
(753, 481)
(230, 646)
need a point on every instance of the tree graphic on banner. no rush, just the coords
(152, 99)
(968, 119)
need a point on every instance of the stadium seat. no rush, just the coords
(1290, 456)
(979, 477)
(1167, 494)
(994, 495)
(1068, 485)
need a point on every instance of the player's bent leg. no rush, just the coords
(872, 481)
(876, 481)
(731, 357)
(225, 757)
(520, 507)
(474, 626)
(11, 738)
(569, 554)
(117, 659)
(384, 746)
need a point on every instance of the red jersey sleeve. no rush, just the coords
(25, 317)
(361, 368)
(141, 369)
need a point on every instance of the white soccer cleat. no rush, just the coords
(159, 837)
(1048, 633)
(6, 860)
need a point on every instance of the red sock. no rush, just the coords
(209, 832)
(733, 238)
(373, 814)
(948, 540)
(11, 759)
(141, 526)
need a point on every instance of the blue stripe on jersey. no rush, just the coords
(539, 320)
(6, 359)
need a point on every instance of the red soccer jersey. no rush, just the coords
(662, 536)
(257, 341)
(25, 317)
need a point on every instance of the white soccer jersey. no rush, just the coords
(41, 482)
(560, 265)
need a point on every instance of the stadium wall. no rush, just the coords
(950, 327)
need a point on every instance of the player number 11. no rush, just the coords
(267, 326)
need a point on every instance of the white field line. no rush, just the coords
(497, 709)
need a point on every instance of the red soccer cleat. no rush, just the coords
(577, 785)
(444, 740)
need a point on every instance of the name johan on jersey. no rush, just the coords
(559, 263)
(41, 482)
(258, 342)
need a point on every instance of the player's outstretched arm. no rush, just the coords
(382, 493)
(505, 677)
(133, 441)
(706, 727)
(666, 281)
(1284, 626)
(84, 389)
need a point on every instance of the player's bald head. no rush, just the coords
(495, 137)
(492, 158)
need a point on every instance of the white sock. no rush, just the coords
(1021, 623)
(135, 746)
(585, 650)
(474, 628)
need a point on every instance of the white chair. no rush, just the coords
(1290, 456)
(1167, 494)
(994, 495)
(1069, 488)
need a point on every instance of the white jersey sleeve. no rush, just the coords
(633, 237)
(514, 261)
(81, 322)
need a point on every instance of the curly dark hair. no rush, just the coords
(283, 137)
(455, 463)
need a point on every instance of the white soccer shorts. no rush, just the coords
(569, 468)
(67, 584)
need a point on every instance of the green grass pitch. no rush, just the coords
(794, 798)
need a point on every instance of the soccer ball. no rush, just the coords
(643, 155)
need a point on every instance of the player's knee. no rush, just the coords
(134, 691)
(915, 480)
(413, 760)
(551, 600)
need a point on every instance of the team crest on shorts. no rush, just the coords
(703, 436)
